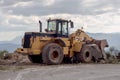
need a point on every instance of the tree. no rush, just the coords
(113, 51)
(119, 54)
(2, 53)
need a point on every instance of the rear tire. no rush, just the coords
(52, 54)
(35, 58)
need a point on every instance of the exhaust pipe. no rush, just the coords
(40, 23)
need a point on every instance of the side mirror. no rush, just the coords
(46, 30)
(72, 24)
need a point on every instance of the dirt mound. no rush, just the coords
(14, 58)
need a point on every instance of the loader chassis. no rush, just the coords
(57, 44)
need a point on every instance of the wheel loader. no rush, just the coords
(57, 45)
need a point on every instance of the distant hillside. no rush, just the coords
(112, 38)
(12, 45)
(16, 40)
(9, 47)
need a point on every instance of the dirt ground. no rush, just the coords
(60, 72)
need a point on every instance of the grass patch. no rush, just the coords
(9, 67)
(19, 68)
(3, 68)
(113, 61)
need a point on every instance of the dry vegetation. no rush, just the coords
(13, 59)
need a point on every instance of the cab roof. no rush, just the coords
(58, 20)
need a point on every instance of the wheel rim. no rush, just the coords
(54, 55)
(87, 54)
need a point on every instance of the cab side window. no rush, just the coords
(59, 28)
(64, 28)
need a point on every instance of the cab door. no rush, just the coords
(63, 29)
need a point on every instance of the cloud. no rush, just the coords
(23, 4)
(91, 23)
(17, 23)
(48, 2)
(7, 36)
(94, 15)
(46, 7)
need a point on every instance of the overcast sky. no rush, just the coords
(96, 16)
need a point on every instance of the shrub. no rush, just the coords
(2, 54)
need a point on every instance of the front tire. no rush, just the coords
(85, 54)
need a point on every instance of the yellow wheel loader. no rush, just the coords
(57, 45)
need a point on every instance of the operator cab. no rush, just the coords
(59, 26)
